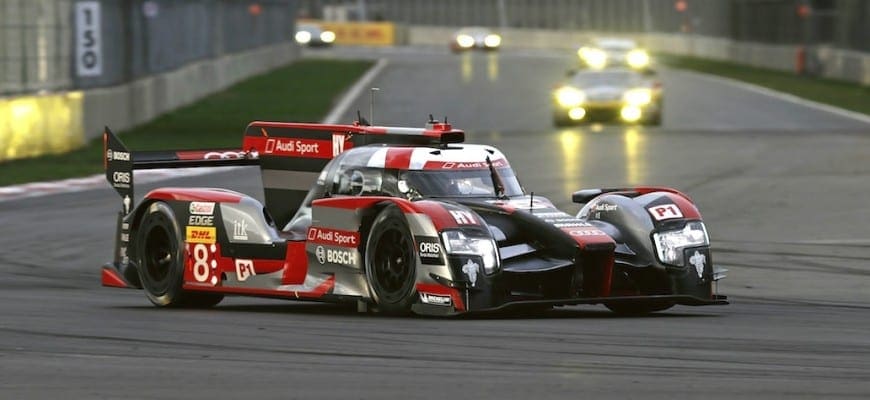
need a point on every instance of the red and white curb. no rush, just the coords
(39, 189)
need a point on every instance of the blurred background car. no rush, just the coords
(312, 35)
(613, 52)
(617, 94)
(475, 38)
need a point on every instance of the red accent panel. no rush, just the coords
(203, 264)
(440, 290)
(398, 158)
(440, 216)
(440, 165)
(316, 293)
(111, 278)
(195, 194)
(585, 235)
(289, 147)
(686, 207)
(297, 264)
(215, 154)
(374, 130)
(308, 126)
(321, 290)
(355, 203)
(650, 189)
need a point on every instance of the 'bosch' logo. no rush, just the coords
(320, 252)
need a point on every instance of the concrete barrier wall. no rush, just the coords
(124, 106)
(38, 124)
(823, 61)
(57, 122)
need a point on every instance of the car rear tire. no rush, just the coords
(560, 121)
(390, 263)
(638, 308)
(160, 261)
(655, 120)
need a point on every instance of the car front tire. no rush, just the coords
(390, 263)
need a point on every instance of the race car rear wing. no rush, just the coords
(119, 162)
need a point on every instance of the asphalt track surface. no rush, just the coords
(783, 188)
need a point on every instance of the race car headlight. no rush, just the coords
(594, 58)
(637, 58)
(458, 243)
(492, 40)
(327, 36)
(465, 41)
(568, 96)
(638, 97)
(670, 244)
(303, 37)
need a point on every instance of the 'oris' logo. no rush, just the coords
(430, 248)
(121, 177)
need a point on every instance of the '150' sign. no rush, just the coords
(89, 54)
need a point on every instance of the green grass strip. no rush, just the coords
(838, 93)
(301, 92)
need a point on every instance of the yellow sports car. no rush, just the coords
(618, 94)
(610, 52)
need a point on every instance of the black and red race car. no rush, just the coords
(399, 220)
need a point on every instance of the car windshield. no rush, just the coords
(607, 78)
(461, 183)
(309, 28)
(616, 45)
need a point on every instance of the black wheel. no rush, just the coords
(638, 308)
(160, 260)
(655, 120)
(561, 121)
(391, 267)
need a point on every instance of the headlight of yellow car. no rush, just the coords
(465, 41)
(638, 58)
(568, 96)
(303, 37)
(594, 58)
(638, 97)
(492, 40)
(327, 36)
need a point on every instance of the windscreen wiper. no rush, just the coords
(496, 180)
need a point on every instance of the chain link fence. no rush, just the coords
(43, 43)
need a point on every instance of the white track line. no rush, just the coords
(38, 189)
(355, 91)
(784, 96)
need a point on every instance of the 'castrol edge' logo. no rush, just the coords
(333, 237)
